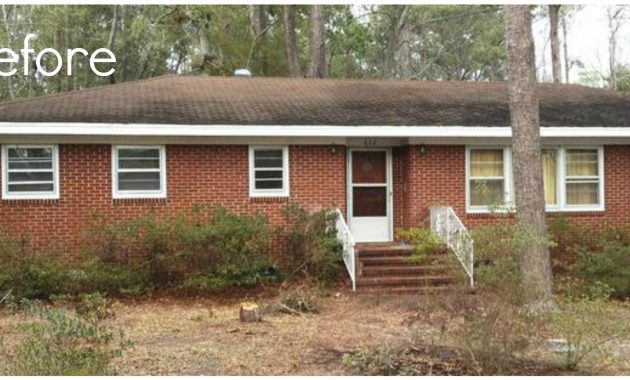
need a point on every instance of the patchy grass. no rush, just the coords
(203, 336)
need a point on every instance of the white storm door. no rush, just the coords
(369, 195)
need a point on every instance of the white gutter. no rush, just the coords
(175, 130)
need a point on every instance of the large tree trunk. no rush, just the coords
(554, 10)
(317, 59)
(402, 54)
(534, 259)
(290, 41)
(257, 20)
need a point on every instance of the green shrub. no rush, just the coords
(423, 240)
(27, 273)
(95, 275)
(312, 245)
(496, 257)
(588, 325)
(63, 343)
(380, 361)
(228, 249)
(195, 251)
(608, 264)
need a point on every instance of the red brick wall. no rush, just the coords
(218, 174)
(196, 175)
(439, 176)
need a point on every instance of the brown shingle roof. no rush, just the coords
(282, 101)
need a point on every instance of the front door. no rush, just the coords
(369, 194)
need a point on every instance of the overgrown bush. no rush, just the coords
(227, 250)
(201, 250)
(423, 240)
(65, 343)
(585, 322)
(312, 245)
(27, 273)
(492, 338)
(496, 257)
(608, 264)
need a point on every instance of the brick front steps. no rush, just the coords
(389, 269)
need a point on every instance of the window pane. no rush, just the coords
(486, 163)
(486, 192)
(268, 174)
(268, 158)
(369, 201)
(31, 177)
(550, 176)
(268, 185)
(582, 193)
(369, 167)
(36, 187)
(582, 162)
(139, 181)
(138, 153)
(20, 164)
(30, 153)
(126, 163)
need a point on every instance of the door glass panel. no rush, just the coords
(369, 201)
(369, 167)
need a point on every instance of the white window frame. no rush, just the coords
(138, 194)
(560, 175)
(32, 194)
(284, 192)
(507, 180)
(600, 169)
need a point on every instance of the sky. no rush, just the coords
(587, 42)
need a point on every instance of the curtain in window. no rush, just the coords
(582, 177)
(550, 178)
(486, 177)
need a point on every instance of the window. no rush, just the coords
(487, 182)
(139, 171)
(550, 176)
(582, 183)
(268, 171)
(30, 172)
(572, 178)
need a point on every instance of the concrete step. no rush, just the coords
(418, 280)
(409, 269)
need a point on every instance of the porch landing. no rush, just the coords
(388, 268)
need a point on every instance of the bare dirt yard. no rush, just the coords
(203, 336)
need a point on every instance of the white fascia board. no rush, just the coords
(175, 130)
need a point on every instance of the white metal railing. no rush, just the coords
(347, 241)
(449, 228)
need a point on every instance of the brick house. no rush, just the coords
(383, 152)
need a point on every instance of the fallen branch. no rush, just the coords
(290, 310)
(6, 296)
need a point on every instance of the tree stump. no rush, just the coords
(249, 312)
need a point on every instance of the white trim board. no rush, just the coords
(176, 130)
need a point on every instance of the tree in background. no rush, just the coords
(416, 42)
(617, 16)
(291, 44)
(554, 15)
(534, 260)
(317, 43)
